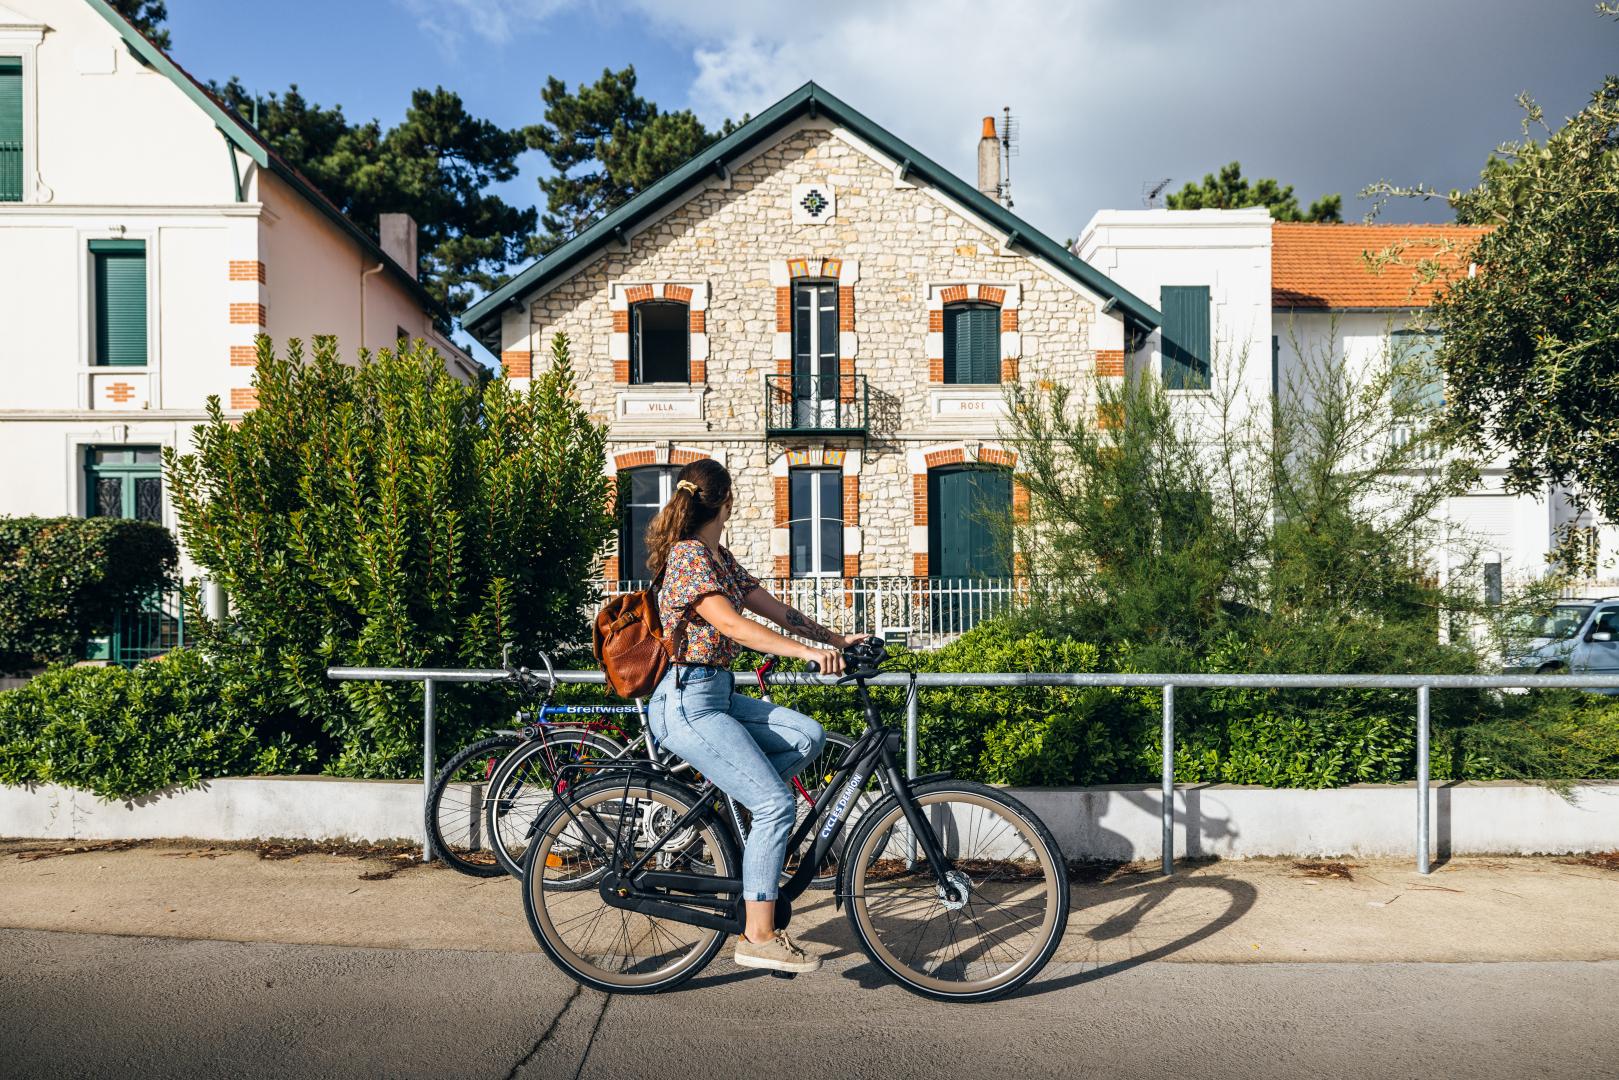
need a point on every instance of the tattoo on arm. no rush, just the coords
(804, 627)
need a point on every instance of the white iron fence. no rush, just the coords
(926, 611)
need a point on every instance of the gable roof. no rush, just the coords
(808, 100)
(1324, 267)
(242, 135)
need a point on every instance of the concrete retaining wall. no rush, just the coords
(1103, 823)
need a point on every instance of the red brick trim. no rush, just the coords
(621, 372)
(610, 568)
(784, 365)
(697, 322)
(1109, 362)
(954, 294)
(945, 457)
(851, 566)
(686, 457)
(698, 371)
(636, 293)
(936, 321)
(990, 456)
(634, 459)
(248, 314)
(780, 490)
(1009, 369)
(244, 399)
(784, 310)
(919, 498)
(517, 363)
(936, 370)
(244, 356)
(1009, 318)
(246, 270)
(919, 564)
(621, 321)
(851, 499)
(1020, 503)
(784, 566)
(681, 293)
(991, 294)
(1109, 415)
(846, 308)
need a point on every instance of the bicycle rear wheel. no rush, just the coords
(455, 806)
(522, 786)
(610, 948)
(998, 923)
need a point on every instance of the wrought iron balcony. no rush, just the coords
(10, 171)
(816, 404)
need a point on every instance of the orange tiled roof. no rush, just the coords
(1326, 267)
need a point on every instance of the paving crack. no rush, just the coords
(592, 1041)
(545, 1036)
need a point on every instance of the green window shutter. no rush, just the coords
(966, 509)
(10, 129)
(972, 344)
(120, 300)
(1186, 338)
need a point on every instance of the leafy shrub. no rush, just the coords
(123, 732)
(63, 580)
(386, 514)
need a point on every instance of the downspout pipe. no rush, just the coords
(377, 269)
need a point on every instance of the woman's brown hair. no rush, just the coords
(701, 492)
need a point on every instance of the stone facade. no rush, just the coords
(898, 253)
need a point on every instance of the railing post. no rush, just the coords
(913, 696)
(428, 721)
(1422, 780)
(1169, 779)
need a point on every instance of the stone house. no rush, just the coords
(840, 321)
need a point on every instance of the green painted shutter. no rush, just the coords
(965, 510)
(972, 344)
(10, 129)
(1186, 338)
(120, 299)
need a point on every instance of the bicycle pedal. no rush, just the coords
(784, 974)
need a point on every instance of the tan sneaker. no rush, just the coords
(777, 954)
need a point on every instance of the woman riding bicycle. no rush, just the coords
(749, 748)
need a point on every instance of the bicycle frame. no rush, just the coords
(653, 892)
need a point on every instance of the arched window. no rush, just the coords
(660, 342)
(641, 494)
(972, 343)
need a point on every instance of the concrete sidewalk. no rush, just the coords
(1469, 910)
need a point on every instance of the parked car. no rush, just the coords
(1577, 636)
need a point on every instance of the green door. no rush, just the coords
(127, 482)
(967, 511)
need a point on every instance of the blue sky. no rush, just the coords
(1111, 94)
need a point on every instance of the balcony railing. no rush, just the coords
(10, 171)
(815, 404)
(149, 628)
(924, 612)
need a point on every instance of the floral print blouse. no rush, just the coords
(689, 574)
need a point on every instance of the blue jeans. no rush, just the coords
(746, 746)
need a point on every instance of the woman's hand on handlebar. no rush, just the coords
(826, 661)
(844, 641)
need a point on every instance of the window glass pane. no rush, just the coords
(149, 455)
(1417, 382)
(802, 537)
(798, 492)
(644, 486)
(828, 296)
(149, 498)
(803, 316)
(831, 546)
(635, 566)
(109, 497)
(831, 484)
(662, 342)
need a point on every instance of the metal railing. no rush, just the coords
(816, 404)
(915, 683)
(10, 171)
(150, 628)
(925, 611)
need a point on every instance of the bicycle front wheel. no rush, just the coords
(455, 807)
(613, 949)
(995, 926)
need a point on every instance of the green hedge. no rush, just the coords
(123, 732)
(63, 580)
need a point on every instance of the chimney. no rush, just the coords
(989, 161)
(397, 234)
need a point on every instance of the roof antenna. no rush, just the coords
(1152, 192)
(1011, 128)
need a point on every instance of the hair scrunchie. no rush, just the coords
(688, 487)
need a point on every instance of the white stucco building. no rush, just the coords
(147, 236)
(1253, 302)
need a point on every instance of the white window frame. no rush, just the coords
(666, 491)
(817, 517)
(23, 41)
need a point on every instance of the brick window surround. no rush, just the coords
(622, 295)
(635, 458)
(846, 272)
(920, 461)
(1007, 296)
(815, 457)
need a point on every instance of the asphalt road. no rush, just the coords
(86, 1005)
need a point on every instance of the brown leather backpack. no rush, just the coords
(629, 642)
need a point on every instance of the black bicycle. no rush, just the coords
(955, 889)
